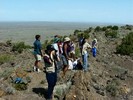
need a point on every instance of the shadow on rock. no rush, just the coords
(40, 91)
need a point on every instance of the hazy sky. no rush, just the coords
(105, 11)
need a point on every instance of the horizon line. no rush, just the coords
(72, 22)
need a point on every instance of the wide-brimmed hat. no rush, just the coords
(95, 39)
(66, 39)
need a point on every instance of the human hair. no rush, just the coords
(46, 51)
(37, 37)
(81, 34)
(83, 41)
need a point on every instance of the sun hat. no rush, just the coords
(56, 39)
(66, 39)
(95, 39)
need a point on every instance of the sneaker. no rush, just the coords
(34, 68)
(38, 70)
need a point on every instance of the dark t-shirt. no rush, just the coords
(37, 47)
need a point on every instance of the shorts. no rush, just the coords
(38, 57)
(64, 60)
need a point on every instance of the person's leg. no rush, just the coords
(65, 69)
(59, 64)
(35, 63)
(51, 79)
(81, 50)
(65, 65)
(38, 62)
(73, 56)
(85, 61)
(95, 52)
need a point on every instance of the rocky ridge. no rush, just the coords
(110, 76)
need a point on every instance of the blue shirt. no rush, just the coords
(37, 47)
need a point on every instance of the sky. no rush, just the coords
(101, 11)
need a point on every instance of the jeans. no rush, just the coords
(51, 79)
(85, 61)
(94, 52)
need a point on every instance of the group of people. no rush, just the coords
(58, 56)
(84, 46)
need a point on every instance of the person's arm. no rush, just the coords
(58, 59)
(57, 56)
(89, 46)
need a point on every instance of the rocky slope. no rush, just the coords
(110, 75)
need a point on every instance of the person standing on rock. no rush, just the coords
(65, 55)
(94, 47)
(86, 46)
(56, 44)
(37, 53)
(80, 40)
(51, 69)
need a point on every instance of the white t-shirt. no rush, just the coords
(55, 45)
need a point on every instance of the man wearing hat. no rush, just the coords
(65, 55)
(94, 47)
(55, 43)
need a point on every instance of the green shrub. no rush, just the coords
(9, 42)
(79, 34)
(128, 27)
(115, 28)
(104, 28)
(45, 44)
(113, 87)
(77, 52)
(76, 32)
(109, 26)
(20, 86)
(19, 47)
(126, 47)
(88, 30)
(5, 58)
(86, 35)
(112, 34)
(97, 29)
